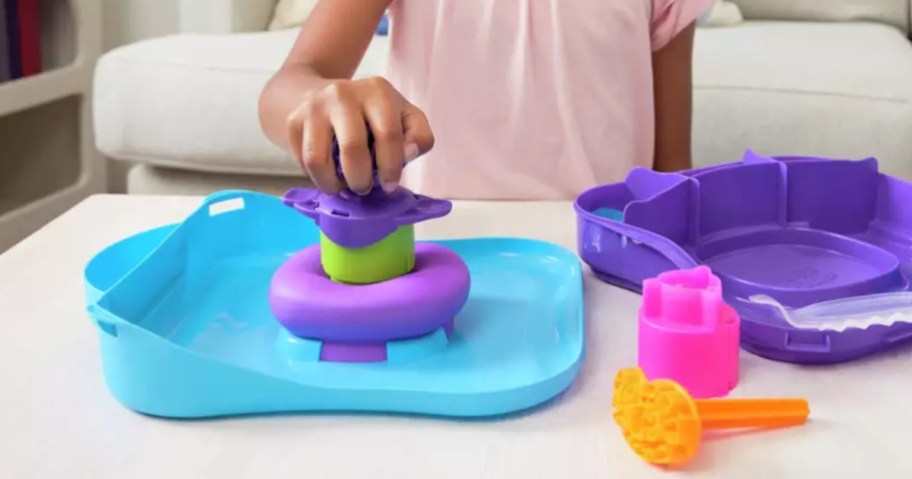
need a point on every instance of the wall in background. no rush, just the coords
(127, 21)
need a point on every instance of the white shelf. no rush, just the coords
(30, 92)
(48, 161)
(26, 219)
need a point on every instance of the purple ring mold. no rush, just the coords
(310, 305)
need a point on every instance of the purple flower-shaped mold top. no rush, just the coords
(355, 221)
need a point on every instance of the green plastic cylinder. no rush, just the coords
(389, 258)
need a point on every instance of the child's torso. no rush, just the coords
(527, 98)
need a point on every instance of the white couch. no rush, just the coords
(829, 78)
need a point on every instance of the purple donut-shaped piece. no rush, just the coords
(310, 305)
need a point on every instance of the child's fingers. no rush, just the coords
(382, 113)
(310, 137)
(351, 133)
(419, 138)
(316, 152)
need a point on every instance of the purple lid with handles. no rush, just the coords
(355, 221)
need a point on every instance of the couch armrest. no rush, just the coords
(224, 16)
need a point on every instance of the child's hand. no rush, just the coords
(344, 107)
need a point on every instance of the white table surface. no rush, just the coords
(57, 419)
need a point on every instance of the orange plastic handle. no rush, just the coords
(751, 413)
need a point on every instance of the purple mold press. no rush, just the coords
(357, 221)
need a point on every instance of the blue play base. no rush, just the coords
(186, 330)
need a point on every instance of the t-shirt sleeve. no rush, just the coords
(669, 17)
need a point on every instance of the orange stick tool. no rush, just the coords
(663, 424)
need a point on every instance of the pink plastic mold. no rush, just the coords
(688, 334)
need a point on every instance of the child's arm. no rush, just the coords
(673, 91)
(312, 97)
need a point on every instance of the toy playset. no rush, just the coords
(317, 302)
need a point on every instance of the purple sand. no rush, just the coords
(310, 305)
(802, 230)
(353, 353)
(365, 352)
(337, 158)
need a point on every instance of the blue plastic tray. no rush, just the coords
(186, 330)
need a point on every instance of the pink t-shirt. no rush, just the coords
(531, 99)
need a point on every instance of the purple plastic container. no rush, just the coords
(801, 230)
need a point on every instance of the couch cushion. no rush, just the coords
(836, 89)
(841, 90)
(190, 101)
(155, 180)
(890, 12)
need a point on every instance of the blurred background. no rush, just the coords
(126, 21)
(159, 96)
